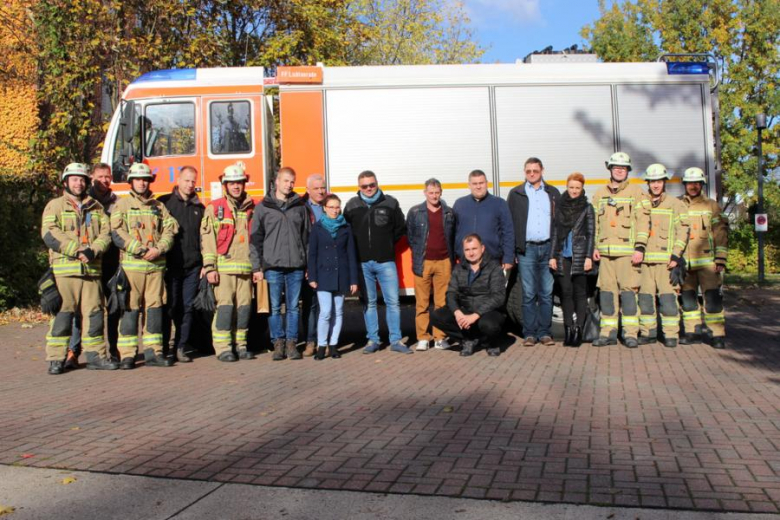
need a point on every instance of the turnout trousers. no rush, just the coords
(234, 310)
(711, 284)
(147, 293)
(655, 280)
(81, 296)
(618, 277)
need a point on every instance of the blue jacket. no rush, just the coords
(417, 233)
(332, 263)
(491, 220)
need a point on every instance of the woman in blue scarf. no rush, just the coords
(332, 272)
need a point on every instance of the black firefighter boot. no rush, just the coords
(96, 362)
(55, 368)
(153, 360)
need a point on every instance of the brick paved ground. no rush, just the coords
(686, 428)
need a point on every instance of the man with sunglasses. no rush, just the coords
(378, 224)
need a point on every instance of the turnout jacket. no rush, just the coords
(668, 230)
(66, 228)
(485, 293)
(280, 236)
(708, 244)
(232, 228)
(137, 224)
(622, 219)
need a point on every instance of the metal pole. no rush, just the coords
(761, 124)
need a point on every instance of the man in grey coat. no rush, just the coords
(280, 234)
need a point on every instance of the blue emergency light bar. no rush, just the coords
(687, 67)
(167, 75)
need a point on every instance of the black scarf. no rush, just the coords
(568, 212)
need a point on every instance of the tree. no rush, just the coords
(745, 35)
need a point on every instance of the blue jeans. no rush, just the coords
(386, 274)
(537, 279)
(287, 281)
(331, 316)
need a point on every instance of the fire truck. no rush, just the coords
(411, 123)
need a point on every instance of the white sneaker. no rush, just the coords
(441, 344)
(422, 345)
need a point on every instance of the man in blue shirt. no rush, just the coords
(532, 205)
(487, 216)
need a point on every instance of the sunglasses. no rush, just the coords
(368, 186)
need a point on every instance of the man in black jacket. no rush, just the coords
(532, 205)
(183, 262)
(475, 298)
(378, 224)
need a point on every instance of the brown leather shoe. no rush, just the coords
(547, 340)
(529, 341)
(311, 348)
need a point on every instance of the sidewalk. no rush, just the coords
(39, 494)
(688, 428)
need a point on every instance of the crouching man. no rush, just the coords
(475, 297)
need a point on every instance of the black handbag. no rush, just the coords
(118, 292)
(592, 328)
(51, 300)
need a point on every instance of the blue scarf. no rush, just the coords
(371, 200)
(332, 225)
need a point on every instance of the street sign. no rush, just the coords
(762, 222)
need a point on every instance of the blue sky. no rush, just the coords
(510, 29)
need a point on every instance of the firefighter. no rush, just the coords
(665, 247)
(622, 229)
(143, 231)
(225, 245)
(707, 253)
(76, 231)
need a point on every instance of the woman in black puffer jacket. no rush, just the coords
(571, 254)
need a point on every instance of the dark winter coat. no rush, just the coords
(582, 240)
(279, 237)
(333, 262)
(377, 229)
(185, 253)
(417, 233)
(518, 207)
(486, 293)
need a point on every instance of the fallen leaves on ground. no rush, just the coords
(6, 510)
(28, 317)
(68, 480)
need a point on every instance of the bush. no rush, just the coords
(743, 248)
(23, 257)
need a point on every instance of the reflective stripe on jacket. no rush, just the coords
(668, 230)
(622, 219)
(236, 258)
(66, 229)
(137, 224)
(709, 232)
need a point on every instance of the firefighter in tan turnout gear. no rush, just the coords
(707, 253)
(622, 229)
(225, 246)
(76, 231)
(665, 246)
(143, 230)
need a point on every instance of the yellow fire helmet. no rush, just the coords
(140, 171)
(80, 169)
(656, 172)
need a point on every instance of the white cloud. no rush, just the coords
(524, 11)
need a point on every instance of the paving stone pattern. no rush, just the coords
(689, 428)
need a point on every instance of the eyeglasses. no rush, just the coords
(368, 186)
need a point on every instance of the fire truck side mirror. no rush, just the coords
(127, 121)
